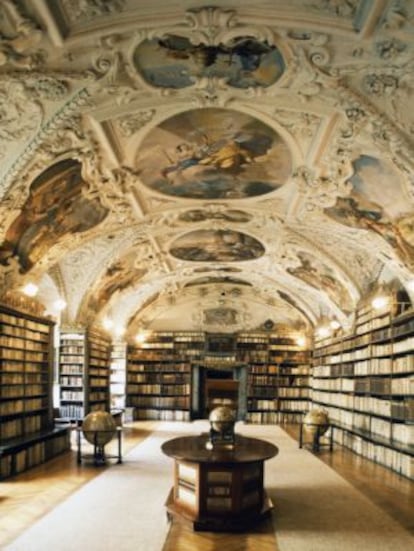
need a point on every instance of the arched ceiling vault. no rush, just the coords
(208, 168)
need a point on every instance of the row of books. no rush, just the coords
(20, 321)
(167, 402)
(173, 367)
(374, 366)
(27, 390)
(71, 411)
(375, 428)
(24, 333)
(33, 454)
(23, 355)
(162, 414)
(22, 343)
(12, 428)
(18, 406)
(167, 390)
(271, 380)
(159, 377)
(393, 459)
(273, 418)
(72, 349)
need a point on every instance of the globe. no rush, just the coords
(98, 427)
(316, 420)
(222, 419)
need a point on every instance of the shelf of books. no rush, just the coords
(278, 377)
(84, 361)
(27, 433)
(365, 380)
(159, 376)
(291, 363)
(118, 376)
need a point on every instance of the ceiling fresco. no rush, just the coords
(213, 154)
(54, 208)
(216, 246)
(175, 62)
(175, 164)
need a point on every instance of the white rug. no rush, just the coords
(123, 509)
(316, 509)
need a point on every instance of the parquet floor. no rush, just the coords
(30, 495)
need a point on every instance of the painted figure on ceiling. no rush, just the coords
(54, 208)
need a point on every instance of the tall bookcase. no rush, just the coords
(118, 375)
(84, 370)
(278, 377)
(27, 433)
(365, 380)
(159, 378)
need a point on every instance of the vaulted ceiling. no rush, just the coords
(183, 165)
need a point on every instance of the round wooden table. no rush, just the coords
(219, 489)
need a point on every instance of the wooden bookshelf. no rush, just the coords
(170, 376)
(27, 433)
(84, 369)
(159, 379)
(365, 380)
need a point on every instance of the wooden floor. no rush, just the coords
(27, 497)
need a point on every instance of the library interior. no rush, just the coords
(206, 275)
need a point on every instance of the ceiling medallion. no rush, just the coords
(213, 153)
(216, 246)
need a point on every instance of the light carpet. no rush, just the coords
(123, 508)
(316, 509)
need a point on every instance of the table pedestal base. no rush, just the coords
(206, 523)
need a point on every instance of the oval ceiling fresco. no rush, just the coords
(216, 246)
(175, 62)
(213, 154)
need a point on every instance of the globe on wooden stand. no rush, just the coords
(315, 424)
(98, 428)
(222, 420)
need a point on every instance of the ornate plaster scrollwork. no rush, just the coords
(342, 8)
(19, 37)
(89, 9)
(320, 191)
(20, 116)
(132, 123)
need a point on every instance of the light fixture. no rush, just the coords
(140, 337)
(59, 304)
(30, 289)
(334, 324)
(301, 341)
(410, 285)
(323, 331)
(119, 331)
(379, 302)
(107, 323)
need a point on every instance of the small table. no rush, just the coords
(219, 489)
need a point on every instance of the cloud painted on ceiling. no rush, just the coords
(213, 154)
(216, 246)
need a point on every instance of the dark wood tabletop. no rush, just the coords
(193, 448)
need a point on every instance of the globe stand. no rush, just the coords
(99, 456)
(222, 439)
(317, 435)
